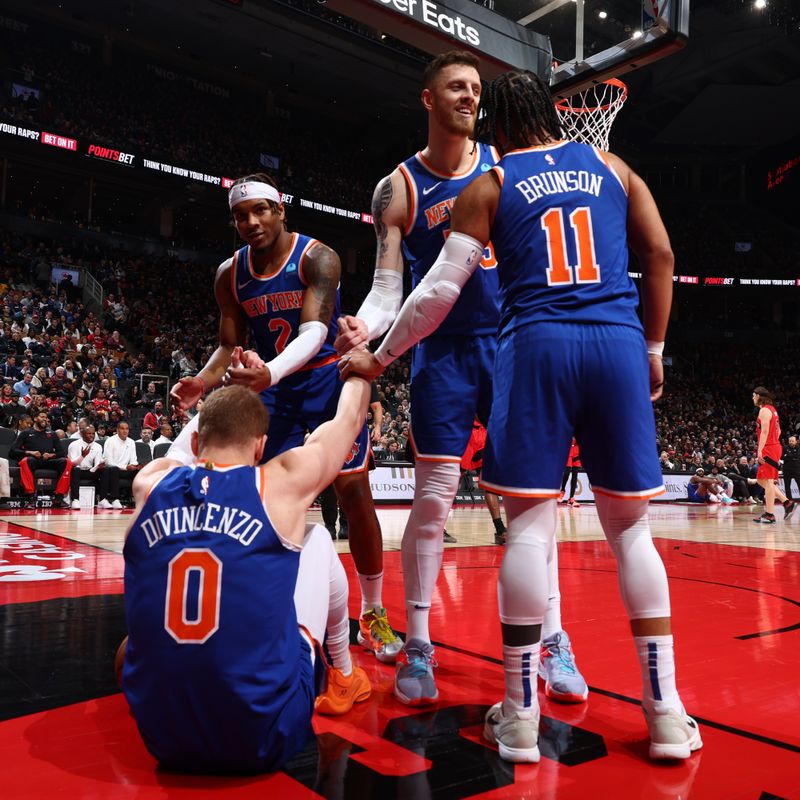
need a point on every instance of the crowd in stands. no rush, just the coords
(114, 107)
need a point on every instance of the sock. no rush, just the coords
(417, 614)
(657, 662)
(499, 527)
(520, 668)
(337, 646)
(551, 623)
(371, 590)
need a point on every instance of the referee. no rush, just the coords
(791, 466)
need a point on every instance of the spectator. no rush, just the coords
(155, 418)
(21, 387)
(147, 438)
(119, 455)
(86, 457)
(666, 464)
(36, 448)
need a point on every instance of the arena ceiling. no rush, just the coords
(735, 88)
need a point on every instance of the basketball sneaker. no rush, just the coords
(104, 504)
(765, 519)
(788, 507)
(516, 735)
(342, 691)
(448, 538)
(573, 503)
(376, 634)
(414, 684)
(562, 679)
(673, 734)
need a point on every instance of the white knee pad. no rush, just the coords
(640, 570)
(524, 585)
(422, 546)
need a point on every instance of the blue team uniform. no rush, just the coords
(571, 357)
(216, 671)
(307, 398)
(451, 370)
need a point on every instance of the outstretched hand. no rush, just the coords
(353, 334)
(361, 363)
(242, 371)
(186, 392)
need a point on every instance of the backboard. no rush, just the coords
(593, 40)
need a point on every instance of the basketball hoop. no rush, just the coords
(588, 115)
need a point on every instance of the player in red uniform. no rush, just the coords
(768, 428)
(573, 465)
(473, 459)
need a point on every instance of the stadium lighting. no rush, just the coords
(602, 14)
(759, 4)
(636, 35)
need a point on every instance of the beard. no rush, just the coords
(455, 123)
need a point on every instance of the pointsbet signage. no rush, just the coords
(103, 152)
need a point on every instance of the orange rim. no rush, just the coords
(564, 105)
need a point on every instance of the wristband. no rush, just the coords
(655, 348)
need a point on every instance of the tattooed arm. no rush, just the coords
(321, 271)
(377, 312)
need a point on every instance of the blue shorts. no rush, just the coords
(451, 384)
(692, 494)
(557, 380)
(302, 402)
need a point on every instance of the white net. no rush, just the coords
(588, 115)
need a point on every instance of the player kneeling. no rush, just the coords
(228, 593)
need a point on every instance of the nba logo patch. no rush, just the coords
(292, 267)
(550, 160)
(485, 167)
(354, 451)
(204, 485)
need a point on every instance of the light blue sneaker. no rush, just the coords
(414, 683)
(562, 679)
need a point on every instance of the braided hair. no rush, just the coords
(517, 103)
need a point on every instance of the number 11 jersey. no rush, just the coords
(560, 238)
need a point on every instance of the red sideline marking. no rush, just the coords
(38, 566)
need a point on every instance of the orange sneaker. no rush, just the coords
(342, 691)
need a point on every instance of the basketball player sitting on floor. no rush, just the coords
(228, 592)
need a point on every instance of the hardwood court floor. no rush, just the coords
(65, 731)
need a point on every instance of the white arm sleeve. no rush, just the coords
(310, 337)
(430, 302)
(181, 448)
(381, 305)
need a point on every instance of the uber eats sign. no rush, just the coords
(435, 26)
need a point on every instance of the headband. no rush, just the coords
(252, 190)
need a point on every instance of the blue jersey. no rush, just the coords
(216, 672)
(273, 303)
(432, 195)
(560, 238)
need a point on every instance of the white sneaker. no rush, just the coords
(104, 504)
(76, 505)
(672, 734)
(117, 505)
(516, 737)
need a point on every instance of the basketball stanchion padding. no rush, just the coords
(588, 115)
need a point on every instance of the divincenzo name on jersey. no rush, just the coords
(210, 517)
